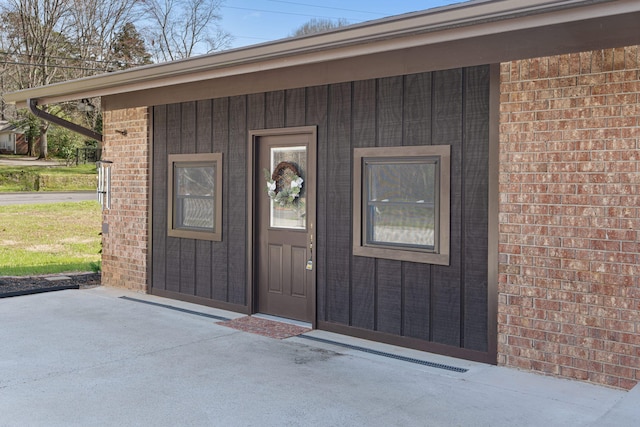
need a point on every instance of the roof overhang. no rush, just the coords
(471, 33)
(6, 127)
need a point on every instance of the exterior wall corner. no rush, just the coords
(125, 236)
(569, 183)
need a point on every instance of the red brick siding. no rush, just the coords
(569, 283)
(124, 252)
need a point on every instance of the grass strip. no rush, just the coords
(47, 178)
(49, 238)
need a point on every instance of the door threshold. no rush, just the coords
(283, 320)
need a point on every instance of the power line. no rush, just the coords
(99, 61)
(301, 14)
(52, 66)
(284, 13)
(116, 62)
(328, 7)
(253, 38)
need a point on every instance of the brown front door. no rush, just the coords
(284, 217)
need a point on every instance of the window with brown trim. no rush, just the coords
(195, 196)
(401, 203)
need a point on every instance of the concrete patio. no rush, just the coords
(91, 357)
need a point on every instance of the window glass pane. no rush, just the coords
(406, 225)
(402, 182)
(196, 213)
(401, 202)
(195, 180)
(291, 214)
(195, 196)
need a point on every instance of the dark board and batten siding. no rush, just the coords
(198, 270)
(443, 305)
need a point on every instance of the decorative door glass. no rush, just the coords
(286, 187)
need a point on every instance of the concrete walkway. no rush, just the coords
(91, 358)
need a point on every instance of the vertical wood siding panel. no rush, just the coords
(159, 208)
(416, 276)
(237, 202)
(173, 258)
(316, 115)
(338, 211)
(445, 304)
(417, 110)
(447, 129)
(389, 273)
(256, 112)
(203, 247)
(389, 300)
(275, 109)
(220, 279)
(295, 107)
(476, 190)
(363, 274)
(256, 119)
(188, 246)
(204, 126)
(417, 284)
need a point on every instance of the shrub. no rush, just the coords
(62, 143)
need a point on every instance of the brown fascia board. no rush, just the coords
(490, 49)
(467, 22)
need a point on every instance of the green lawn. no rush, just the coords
(47, 178)
(49, 238)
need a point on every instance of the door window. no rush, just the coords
(286, 187)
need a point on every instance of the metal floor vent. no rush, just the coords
(170, 307)
(322, 340)
(393, 356)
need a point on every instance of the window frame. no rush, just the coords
(194, 160)
(385, 155)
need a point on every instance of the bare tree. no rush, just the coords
(47, 41)
(96, 26)
(97, 32)
(318, 25)
(182, 28)
(35, 40)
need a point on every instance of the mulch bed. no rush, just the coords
(11, 286)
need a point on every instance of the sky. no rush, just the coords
(258, 21)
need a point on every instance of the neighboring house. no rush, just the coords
(471, 182)
(11, 139)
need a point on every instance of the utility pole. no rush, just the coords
(2, 104)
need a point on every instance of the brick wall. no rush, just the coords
(569, 302)
(124, 251)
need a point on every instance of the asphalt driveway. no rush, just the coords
(29, 161)
(90, 357)
(45, 197)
